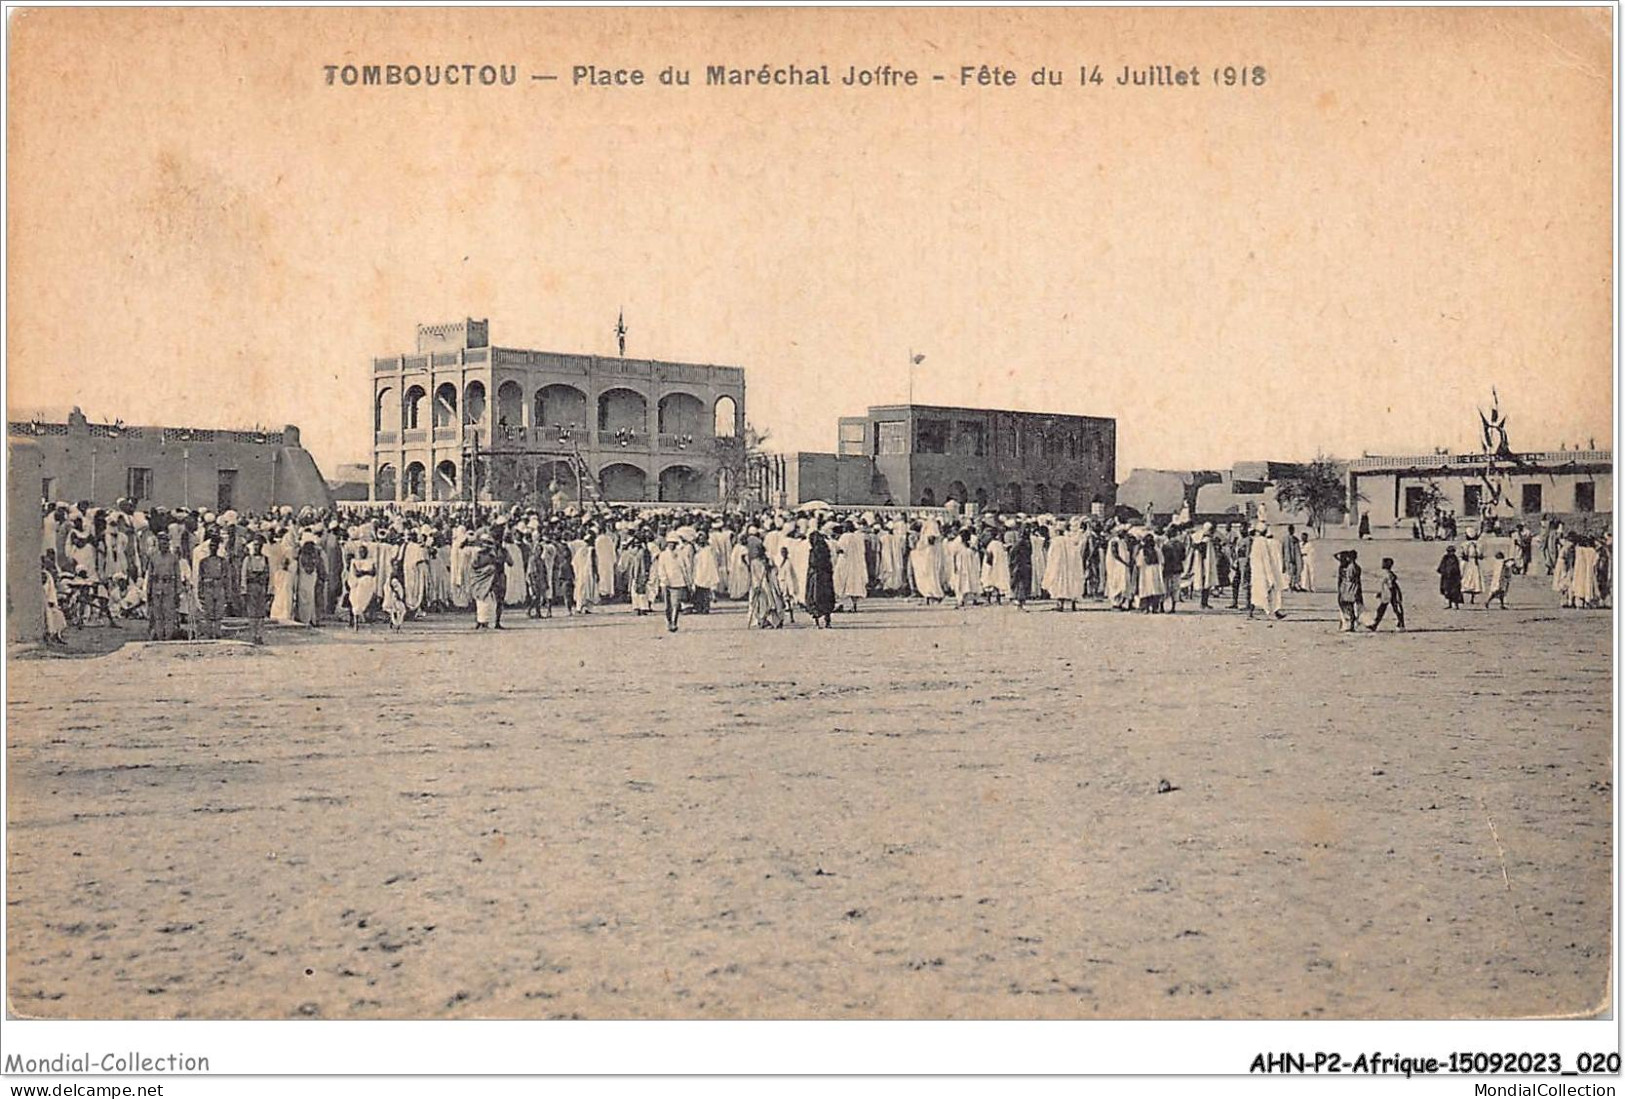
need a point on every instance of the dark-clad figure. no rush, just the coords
(164, 593)
(564, 578)
(499, 582)
(1350, 591)
(1021, 567)
(821, 577)
(256, 589)
(236, 552)
(213, 571)
(332, 569)
(1450, 578)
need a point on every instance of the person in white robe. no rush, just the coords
(1119, 569)
(415, 574)
(1308, 551)
(851, 567)
(1583, 588)
(1472, 570)
(967, 569)
(996, 571)
(458, 560)
(738, 571)
(1201, 574)
(604, 554)
(517, 593)
(362, 577)
(1150, 584)
(1047, 580)
(1266, 570)
(586, 581)
(925, 570)
(1041, 547)
(722, 544)
(707, 569)
(281, 564)
(1064, 571)
(893, 557)
(799, 551)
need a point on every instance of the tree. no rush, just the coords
(1318, 489)
(736, 458)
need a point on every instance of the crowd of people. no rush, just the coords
(186, 571)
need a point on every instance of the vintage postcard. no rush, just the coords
(810, 514)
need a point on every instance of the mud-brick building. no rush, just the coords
(70, 458)
(461, 419)
(925, 455)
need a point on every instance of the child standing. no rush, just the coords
(1500, 580)
(1350, 598)
(395, 597)
(1389, 595)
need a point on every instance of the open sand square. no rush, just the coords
(923, 813)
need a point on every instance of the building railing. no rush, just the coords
(385, 366)
(417, 436)
(115, 431)
(1449, 461)
(444, 358)
(673, 440)
(475, 355)
(164, 434)
(446, 435)
(623, 439)
(383, 437)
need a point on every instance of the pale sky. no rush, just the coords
(1414, 207)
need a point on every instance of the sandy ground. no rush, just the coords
(923, 813)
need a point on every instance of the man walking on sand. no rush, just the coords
(674, 570)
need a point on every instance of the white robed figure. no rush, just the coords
(851, 567)
(605, 552)
(800, 556)
(707, 569)
(581, 560)
(517, 593)
(967, 571)
(1041, 551)
(722, 544)
(1307, 578)
(281, 564)
(925, 568)
(1202, 563)
(996, 569)
(738, 572)
(1583, 587)
(1472, 568)
(893, 550)
(1119, 569)
(1047, 580)
(460, 560)
(415, 568)
(362, 582)
(1265, 561)
(1064, 575)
